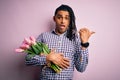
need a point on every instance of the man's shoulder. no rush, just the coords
(46, 33)
(43, 35)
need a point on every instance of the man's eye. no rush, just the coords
(58, 17)
(67, 18)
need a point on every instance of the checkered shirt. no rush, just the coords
(71, 49)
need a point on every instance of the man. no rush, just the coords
(68, 50)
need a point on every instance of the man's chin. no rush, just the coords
(63, 32)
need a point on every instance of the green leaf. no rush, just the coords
(45, 48)
(35, 50)
(39, 47)
(29, 51)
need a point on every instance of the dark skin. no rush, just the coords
(62, 21)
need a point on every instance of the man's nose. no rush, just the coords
(63, 21)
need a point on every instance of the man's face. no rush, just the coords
(62, 20)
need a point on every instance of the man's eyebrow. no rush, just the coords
(61, 15)
(68, 15)
(58, 15)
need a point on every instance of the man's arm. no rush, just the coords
(37, 59)
(81, 60)
(81, 56)
(56, 58)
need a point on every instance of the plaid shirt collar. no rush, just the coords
(61, 35)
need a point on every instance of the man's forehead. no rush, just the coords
(62, 12)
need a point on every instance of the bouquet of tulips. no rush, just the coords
(32, 47)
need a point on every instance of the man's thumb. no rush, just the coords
(92, 32)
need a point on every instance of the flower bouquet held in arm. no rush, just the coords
(32, 47)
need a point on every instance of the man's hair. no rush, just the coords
(72, 30)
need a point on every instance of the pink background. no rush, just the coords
(23, 18)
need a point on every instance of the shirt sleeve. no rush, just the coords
(80, 58)
(36, 60)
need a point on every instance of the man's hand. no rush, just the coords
(58, 59)
(85, 34)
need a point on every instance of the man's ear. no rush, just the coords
(53, 18)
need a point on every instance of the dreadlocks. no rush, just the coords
(72, 30)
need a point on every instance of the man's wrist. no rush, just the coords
(48, 62)
(83, 48)
(84, 45)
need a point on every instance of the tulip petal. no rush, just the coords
(19, 50)
(33, 40)
(24, 46)
(27, 41)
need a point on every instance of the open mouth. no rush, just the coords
(62, 26)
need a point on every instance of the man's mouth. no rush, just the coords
(62, 26)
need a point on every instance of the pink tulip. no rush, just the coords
(27, 41)
(33, 40)
(24, 46)
(19, 50)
